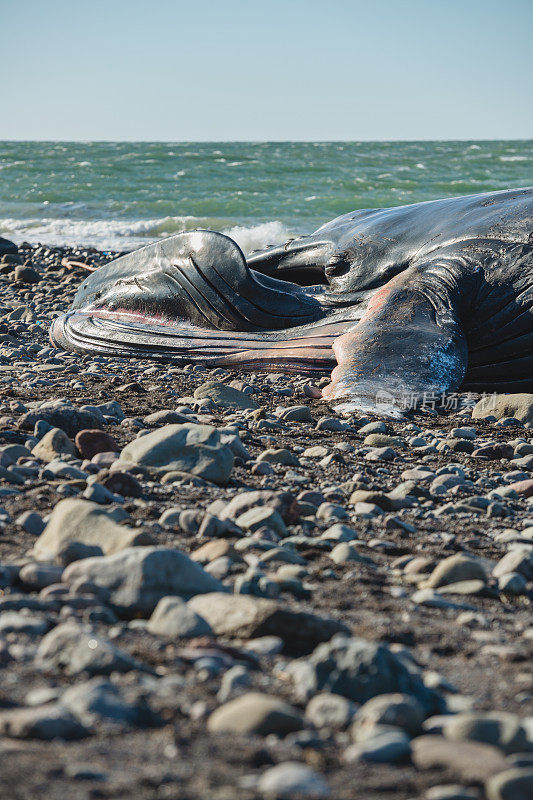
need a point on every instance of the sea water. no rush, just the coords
(120, 195)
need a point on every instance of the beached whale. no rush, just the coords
(399, 302)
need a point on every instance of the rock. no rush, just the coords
(247, 617)
(262, 516)
(7, 247)
(98, 700)
(75, 649)
(91, 442)
(257, 713)
(494, 451)
(519, 406)
(433, 599)
(512, 583)
(523, 488)
(138, 578)
(359, 670)
(32, 522)
(512, 784)
(216, 548)
(469, 761)
(519, 559)
(443, 483)
(54, 444)
(377, 498)
(451, 791)
(166, 417)
(387, 747)
(331, 424)
(292, 779)
(26, 622)
(503, 730)
(455, 569)
(399, 710)
(296, 414)
(196, 449)
(382, 440)
(224, 395)
(122, 483)
(23, 274)
(235, 681)
(381, 454)
(284, 502)
(326, 710)
(74, 520)
(173, 618)
(345, 552)
(340, 533)
(69, 419)
(279, 456)
(50, 721)
(38, 576)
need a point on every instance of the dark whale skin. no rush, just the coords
(425, 298)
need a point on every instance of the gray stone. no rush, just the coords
(454, 569)
(326, 710)
(519, 406)
(257, 713)
(512, 784)
(37, 576)
(75, 520)
(191, 448)
(76, 649)
(451, 791)
(235, 680)
(247, 617)
(279, 456)
(501, 729)
(296, 414)
(388, 747)
(138, 578)
(61, 415)
(31, 522)
(512, 583)
(519, 559)
(31, 624)
(292, 779)
(99, 700)
(262, 516)
(345, 552)
(172, 617)
(224, 395)
(399, 710)
(468, 761)
(54, 444)
(50, 721)
(359, 669)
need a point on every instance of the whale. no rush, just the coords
(410, 301)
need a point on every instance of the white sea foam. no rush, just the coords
(113, 234)
(256, 237)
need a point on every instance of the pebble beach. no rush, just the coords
(214, 585)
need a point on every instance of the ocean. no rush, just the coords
(120, 195)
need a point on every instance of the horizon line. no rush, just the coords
(258, 141)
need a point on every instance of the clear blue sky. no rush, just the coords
(266, 69)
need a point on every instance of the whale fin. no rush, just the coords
(202, 278)
(407, 350)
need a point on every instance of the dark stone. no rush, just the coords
(90, 442)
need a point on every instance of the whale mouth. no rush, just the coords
(121, 332)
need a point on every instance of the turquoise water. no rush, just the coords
(119, 195)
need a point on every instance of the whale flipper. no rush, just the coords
(376, 365)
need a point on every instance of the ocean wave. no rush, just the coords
(113, 234)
